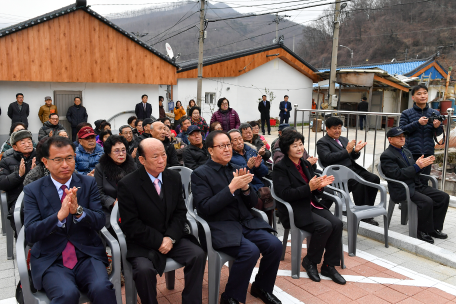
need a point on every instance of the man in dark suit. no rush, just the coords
(19, 111)
(363, 106)
(334, 149)
(264, 107)
(153, 214)
(285, 109)
(62, 218)
(223, 197)
(143, 109)
(398, 163)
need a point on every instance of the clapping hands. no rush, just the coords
(317, 183)
(423, 162)
(69, 204)
(241, 180)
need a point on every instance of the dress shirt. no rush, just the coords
(299, 168)
(160, 178)
(60, 192)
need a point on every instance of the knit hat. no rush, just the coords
(19, 135)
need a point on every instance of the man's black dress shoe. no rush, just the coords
(269, 133)
(266, 297)
(425, 237)
(311, 269)
(439, 234)
(330, 271)
(224, 300)
(370, 221)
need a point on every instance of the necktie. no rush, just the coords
(69, 253)
(144, 107)
(338, 141)
(157, 185)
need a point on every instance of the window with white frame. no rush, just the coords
(209, 98)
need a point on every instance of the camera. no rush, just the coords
(434, 116)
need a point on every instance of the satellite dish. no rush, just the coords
(274, 41)
(169, 50)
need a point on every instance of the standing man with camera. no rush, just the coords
(422, 125)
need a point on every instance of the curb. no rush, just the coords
(407, 243)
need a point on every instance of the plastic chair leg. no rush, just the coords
(213, 282)
(413, 220)
(170, 278)
(385, 227)
(284, 243)
(131, 296)
(391, 206)
(9, 241)
(274, 222)
(404, 213)
(353, 225)
(296, 249)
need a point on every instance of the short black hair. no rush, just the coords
(288, 130)
(53, 114)
(39, 149)
(112, 141)
(417, 87)
(210, 137)
(285, 96)
(77, 97)
(263, 96)
(161, 98)
(19, 94)
(131, 118)
(253, 123)
(137, 122)
(190, 112)
(220, 101)
(56, 141)
(143, 96)
(184, 119)
(103, 125)
(286, 140)
(15, 124)
(83, 124)
(364, 98)
(333, 121)
(178, 102)
(103, 133)
(244, 126)
(165, 119)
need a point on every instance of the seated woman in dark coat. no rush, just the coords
(114, 164)
(296, 183)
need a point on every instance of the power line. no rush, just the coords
(257, 5)
(247, 87)
(175, 35)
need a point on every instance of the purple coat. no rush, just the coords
(228, 121)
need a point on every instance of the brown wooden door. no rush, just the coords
(63, 100)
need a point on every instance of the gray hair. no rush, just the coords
(232, 131)
(60, 131)
(123, 127)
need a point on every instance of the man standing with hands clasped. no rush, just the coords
(264, 107)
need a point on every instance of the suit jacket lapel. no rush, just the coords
(149, 188)
(399, 156)
(334, 142)
(167, 194)
(51, 194)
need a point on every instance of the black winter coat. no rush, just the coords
(195, 157)
(19, 116)
(47, 128)
(76, 114)
(169, 148)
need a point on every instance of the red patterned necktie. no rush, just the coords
(69, 253)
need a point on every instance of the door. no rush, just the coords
(63, 100)
(376, 106)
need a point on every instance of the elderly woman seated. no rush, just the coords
(295, 182)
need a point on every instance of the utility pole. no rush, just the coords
(200, 55)
(277, 20)
(335, 45)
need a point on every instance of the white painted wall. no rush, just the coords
(101, 100)
(244, 91)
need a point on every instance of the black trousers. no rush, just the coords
(282, 119)
(268, 122)
(184, 252)
(432, 208)
(362, 194)
(74, 133)
(62, 284)
(425, 170)
(362, 120)
(326, 237)
(253, 243)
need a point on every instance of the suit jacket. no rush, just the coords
(285, 105)
(224, 212)
(146, 219)
(292, 188)
(16, 115)
(394, 166)
(41, 205)
(264, 109)
(139, 110)
(331, 153)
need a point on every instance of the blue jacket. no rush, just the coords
(285, 104)
(183, 135)
(86, 162)
(241, 161)
(420, 139)
(41, 205)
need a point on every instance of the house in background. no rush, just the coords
(72, 52)
(244, 76)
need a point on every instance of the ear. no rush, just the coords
(44, 160)
(15, 148)
(142, 160)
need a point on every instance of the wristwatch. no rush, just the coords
(79, 211)
(172, 241)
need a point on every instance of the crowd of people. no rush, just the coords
(71, 186)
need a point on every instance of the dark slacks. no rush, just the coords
(362, 194)
(266, 121)
(326, 232)
(284, 119)
(425, 170)
(432, 208)
(362, 121)
(253, 243)
(184, 252)
(62, 284)
(74, 133)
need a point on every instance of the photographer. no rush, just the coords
(422, 125)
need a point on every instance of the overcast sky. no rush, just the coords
(13, 12)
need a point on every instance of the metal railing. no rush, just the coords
(380, 118)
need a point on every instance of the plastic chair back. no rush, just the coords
(185, 174)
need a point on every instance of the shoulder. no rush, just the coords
(171, 174)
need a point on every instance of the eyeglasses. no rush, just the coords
(223, 147)
(59, 160)
(123, 151)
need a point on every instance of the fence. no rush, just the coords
(375, 119)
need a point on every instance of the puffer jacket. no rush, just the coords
(86, 162)
(228, 121)
(47, 128)
(420, 139)
(241, 160)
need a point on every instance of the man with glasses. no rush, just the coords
(398, 163)
(88, 152)
(126, 131)
(50, 127)
(13, 169)
(223, 196)
(63, 217)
